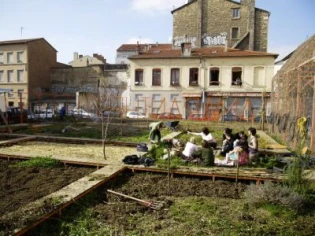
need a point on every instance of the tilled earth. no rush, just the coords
(20, 186)
(110, 210)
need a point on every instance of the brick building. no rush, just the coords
(207, 23)
(25, 68)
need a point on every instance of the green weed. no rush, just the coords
(47, 162)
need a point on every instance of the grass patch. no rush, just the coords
(46, 162)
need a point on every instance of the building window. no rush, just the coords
(237, 76)
(259, 76)
(156, 77)
(174, 97)
(139, 77)
(10, 57)
(174, 77)
(20, 75)
(138, 97)
(1, 76)
(20, 92)
(235, 13)
(1, 58)
(214, 76)
(19, 57)
(235, 33)
(193, 76)
(10, 94)
(156, 97)
(10, 76)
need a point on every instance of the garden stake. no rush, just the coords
(155, 205)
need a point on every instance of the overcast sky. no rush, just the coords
(101, 26)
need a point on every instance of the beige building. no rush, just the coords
(25, 69)
(206, 23)
(214, 81)
(83, 61)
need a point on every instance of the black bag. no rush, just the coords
(146, 161)
(131, 160)
(142, 147)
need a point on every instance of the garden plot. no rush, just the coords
(74, 152)
(23, 185)
(193, 206)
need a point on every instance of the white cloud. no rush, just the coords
(151, 6)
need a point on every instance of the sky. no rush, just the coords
(101, 26)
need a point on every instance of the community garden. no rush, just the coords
(191, 205)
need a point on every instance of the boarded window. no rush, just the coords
(259, 76)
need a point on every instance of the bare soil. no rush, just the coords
(114, 211)
(20, 186)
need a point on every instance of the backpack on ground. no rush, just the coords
(131, 160)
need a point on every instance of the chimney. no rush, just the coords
(186, 49)
(75, 56)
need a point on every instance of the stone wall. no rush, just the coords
(261, 30)
(210, 23)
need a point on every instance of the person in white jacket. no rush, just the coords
(190, 149)
(207, 136)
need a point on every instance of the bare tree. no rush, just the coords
(108, 105)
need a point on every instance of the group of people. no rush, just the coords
(235, 148)
(239, 147)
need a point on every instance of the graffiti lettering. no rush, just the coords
(216, 40)
(178, 40)
(72, 89)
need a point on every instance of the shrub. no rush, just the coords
(296, 178)
(276, 194)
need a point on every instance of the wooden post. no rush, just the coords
(21, 108)
(169, 171)
(263, 112)
(237, 168)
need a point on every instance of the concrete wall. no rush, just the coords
(76, 79)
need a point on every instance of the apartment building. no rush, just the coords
(25, 69)
(214, 81)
